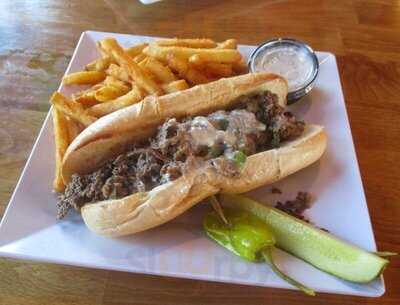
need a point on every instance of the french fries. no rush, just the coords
(113, 81)
(211, 69)
(181, 67)
(86, 98)
(178, 65)
(175, 86)
(108, 93)
(215, 69)
(228, 44)
(71, 108)
(240, 67)
(104, 53)
(121, 77)
(61, 143)
(215, 55)
(225, 56)
(131, 51)
(119, 73)
(220, 69)
(189, 43)
(162, 73)
(144, 68)
(136, 50)
(139, 58)
(195, 77)
(100, 64)
(111, 46)
(132, 97)
(84, 78)
(196, 60)
(74, 129)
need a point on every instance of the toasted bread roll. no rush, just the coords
(112, 134)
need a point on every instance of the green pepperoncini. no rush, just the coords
(248, 237)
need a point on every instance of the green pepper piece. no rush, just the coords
(267, 254)
(276, 139)
(248, 234)
(239, 158)
(248, 237)
(218, 231)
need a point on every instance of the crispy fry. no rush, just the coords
(61, 141)
(140, 57)
(136, 50)
(74, 128)
(190, 43)
(195, 77)
(84, 78)
(86, 97)
(142, 65)
(162, 73)
(71, 109)
(103, 52)
(181, 67)
(240, 67)
(149, 73)
(215, 69)
(228, 44)
(113, 81)
(215, 55)
(141, 77)
(132, 97)
(196, 60)
(225, 58)
(109, 89)
(175, 86)
(100, 64)
(131, 51)
(109, 92)
(118, 72)
(177, 64)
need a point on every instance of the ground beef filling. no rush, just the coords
(223, 139)
(297, 206)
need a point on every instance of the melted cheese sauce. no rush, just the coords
(203, 133)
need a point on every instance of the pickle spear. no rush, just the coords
(320, 249)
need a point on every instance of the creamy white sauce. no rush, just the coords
(289, 62)
(202, 132)
(245, 121)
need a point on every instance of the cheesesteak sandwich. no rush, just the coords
(146, 164)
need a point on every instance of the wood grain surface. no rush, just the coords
(37, 39)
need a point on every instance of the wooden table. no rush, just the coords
(36, 42)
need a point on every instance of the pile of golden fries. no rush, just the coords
(122, 77)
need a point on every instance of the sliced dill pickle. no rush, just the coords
(313, 245)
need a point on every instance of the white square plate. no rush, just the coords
(29, 229)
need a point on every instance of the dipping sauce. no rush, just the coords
(289, 58)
